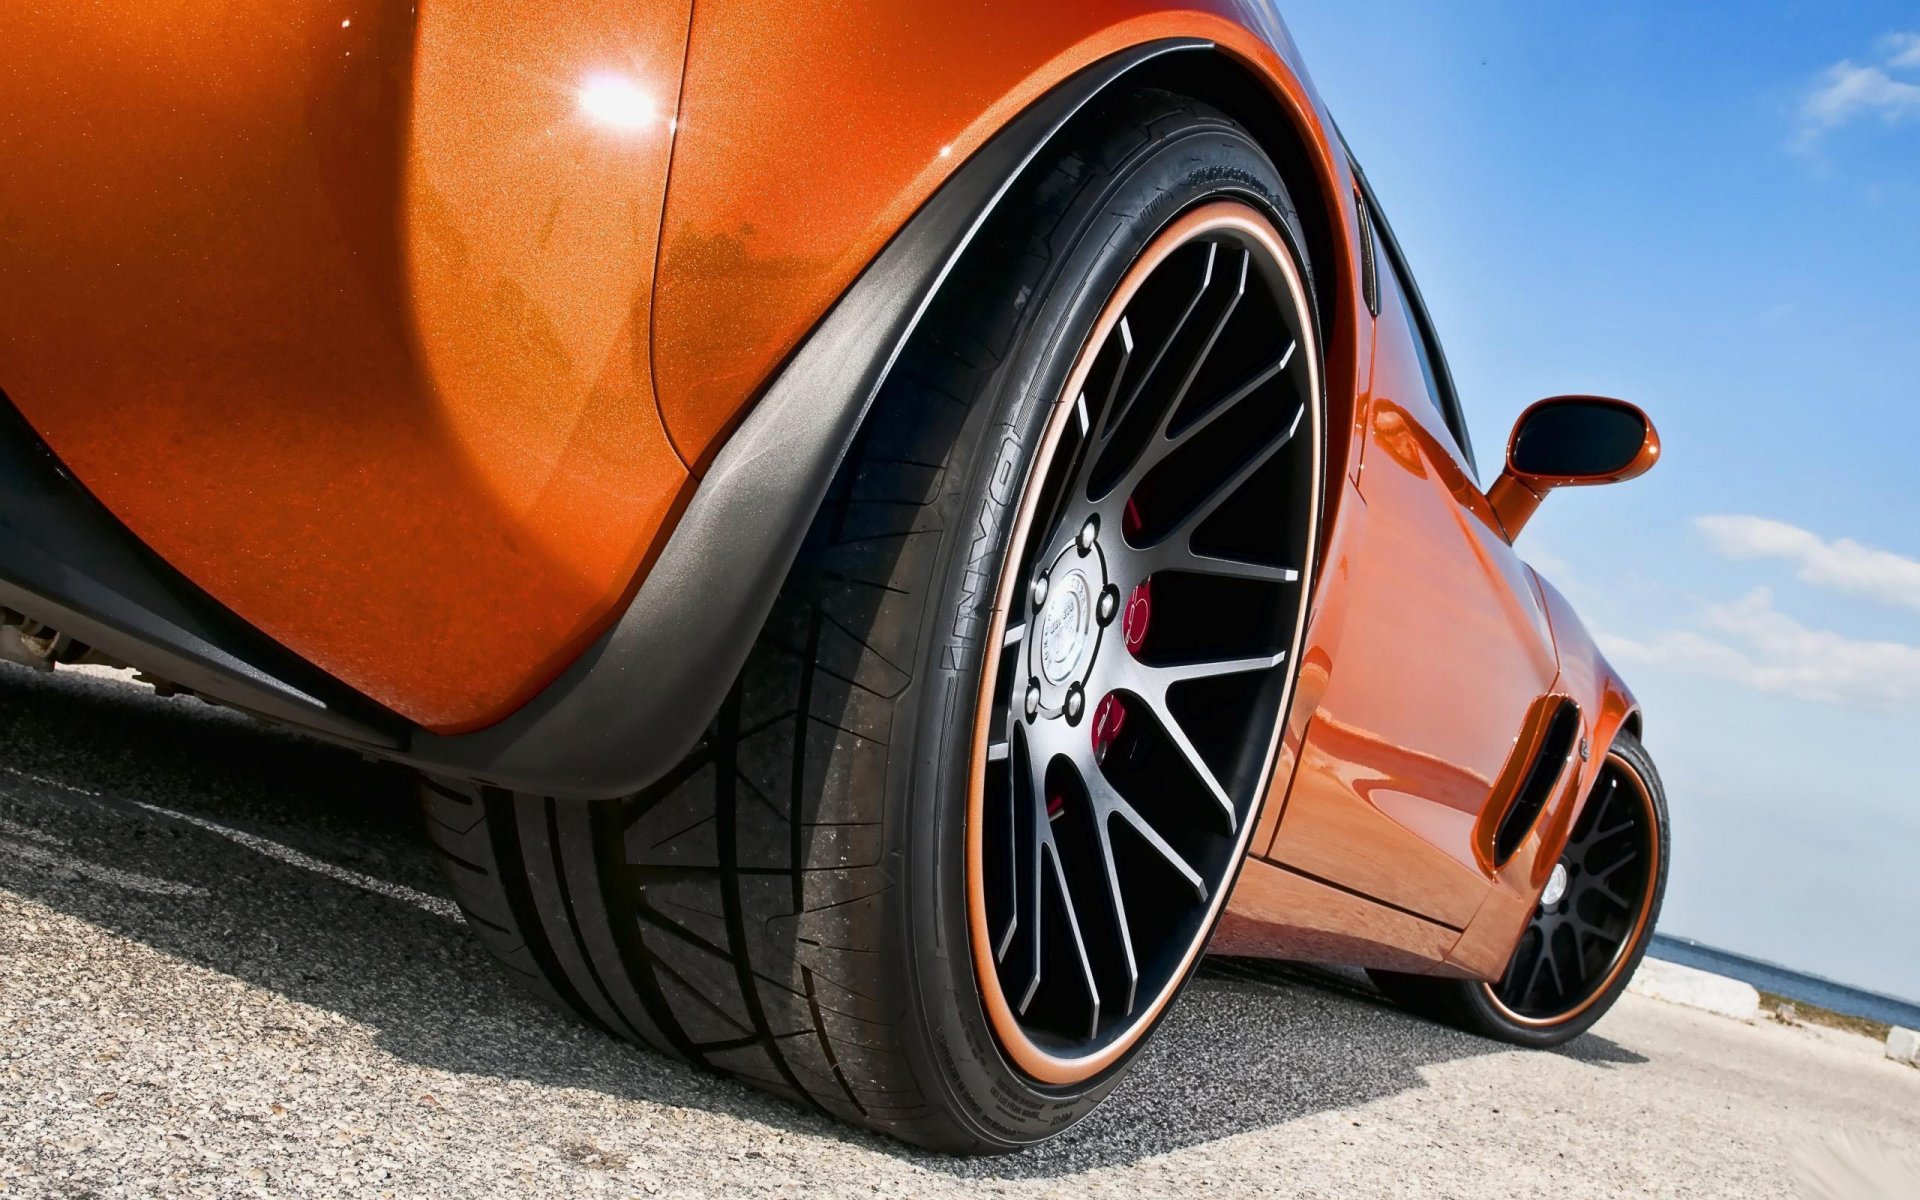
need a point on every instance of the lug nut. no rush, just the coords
(1108, 605)
(1033, 701)
(1088, 532)
(1040, 591)
(1076, 704)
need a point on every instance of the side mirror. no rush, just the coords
(1570, 441)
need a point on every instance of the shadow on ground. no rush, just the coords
(1252, 1045)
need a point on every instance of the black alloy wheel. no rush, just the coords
(1150, 617)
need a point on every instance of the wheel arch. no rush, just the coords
(641, 696)
(1632, 724)
(1219, 77)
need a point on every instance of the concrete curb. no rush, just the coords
(1903, 1046)
(1696, 989)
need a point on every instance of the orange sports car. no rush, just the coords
(887, 529)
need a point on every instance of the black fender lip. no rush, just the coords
(630, 708)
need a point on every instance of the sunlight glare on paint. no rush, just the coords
(615, 101)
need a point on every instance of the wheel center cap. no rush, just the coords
(1556, 886)
(1066, 627)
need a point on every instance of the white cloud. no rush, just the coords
(1751, 643)
(1848, 90)
(1843, 565)
(1902, 50)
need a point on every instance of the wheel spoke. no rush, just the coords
(1116, 900)
(1160, 443)
(1539, 965)
(1116, 415)
(1604, 885)
(1122, 928)
(1170, 729)
(1230, 486)
(1067, 907)
(1030, 836)
(1186, 433)
(1576, 976)
(1175, 555)
(1612, 830)
(1178, 400)
(1035, 960)
(1188, 672)
(1553, 965)
(1109, 804)
(1233, 568)
(1166, 441)
(1152, 683)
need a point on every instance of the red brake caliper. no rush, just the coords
(1107, 721)
(1133, 622)
(1111, 716)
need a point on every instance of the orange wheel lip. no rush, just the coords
(1031, 1058)
(1626, 769)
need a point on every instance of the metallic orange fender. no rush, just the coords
(798, 157)
(349, 311)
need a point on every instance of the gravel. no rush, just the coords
(228, 968)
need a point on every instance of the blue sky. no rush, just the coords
(1714, 211)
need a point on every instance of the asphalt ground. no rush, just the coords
(228, 968)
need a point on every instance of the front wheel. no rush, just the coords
(974, 806)
(1590, 929)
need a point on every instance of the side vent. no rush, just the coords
(1369, 276)
(1549, 763)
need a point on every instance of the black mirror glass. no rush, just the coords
(1577, 439)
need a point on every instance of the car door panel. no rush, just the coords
(1444, 650)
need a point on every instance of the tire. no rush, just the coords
(789, 906)
(1487, 1008)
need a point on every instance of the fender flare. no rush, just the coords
(640, 698)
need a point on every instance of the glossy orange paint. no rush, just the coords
(344, 311)
(1278, 913)
(800, 156)
(350, 310)
(1443, 648)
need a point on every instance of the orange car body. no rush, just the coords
(407, 334)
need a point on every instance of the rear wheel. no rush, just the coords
(972, 809)
(1590, 929)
